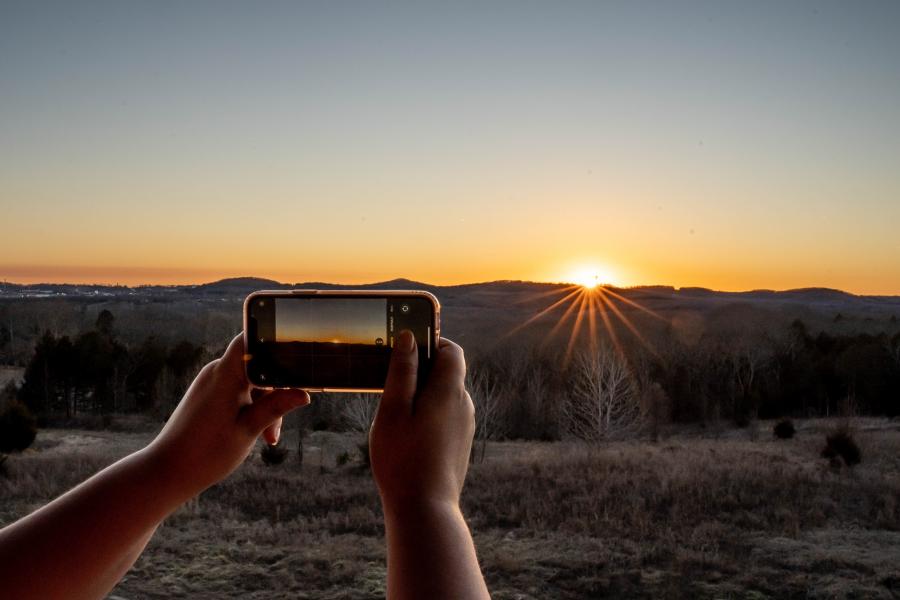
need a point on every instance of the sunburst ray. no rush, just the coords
(578, 319)
(584, 303)
(634, 304)
(627, 322)
(539, 295)
(540, 314)
(565, 315)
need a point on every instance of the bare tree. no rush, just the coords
(744, 352)
(604, 402)
(537, 392)
(359, 411)
(655, 403)
(485, 395)
(303, 418)
(522, 394)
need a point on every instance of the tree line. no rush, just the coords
(96, 373)
(736, 372)
(726, 375)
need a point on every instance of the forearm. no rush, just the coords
(431, 553)
(81, 544)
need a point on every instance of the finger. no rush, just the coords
(271, 406)
(232, 362)
(448, 372)
(272, 433)
(400, 386)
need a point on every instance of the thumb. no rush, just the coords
(232, 362)
(270, 407)
(400, 386)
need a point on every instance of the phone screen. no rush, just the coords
(331, 340)
(332, 321)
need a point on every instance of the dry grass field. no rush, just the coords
(693, 516)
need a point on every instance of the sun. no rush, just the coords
(591, 277)
(597, 307)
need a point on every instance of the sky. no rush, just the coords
(731, 145)
(356, 321)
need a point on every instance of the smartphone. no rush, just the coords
(334, 340)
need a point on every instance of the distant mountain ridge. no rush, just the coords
(245, 285)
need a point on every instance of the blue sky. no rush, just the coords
(727, 144)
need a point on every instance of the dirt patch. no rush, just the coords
(14, 374)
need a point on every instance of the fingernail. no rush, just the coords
(276, 436)
(405, 341)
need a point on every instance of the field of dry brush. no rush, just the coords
(699, 515)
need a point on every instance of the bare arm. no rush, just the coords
(82, 543)
(419, 459)
(431, 554)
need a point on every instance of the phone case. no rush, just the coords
(339, 293)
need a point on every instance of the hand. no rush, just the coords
(419, 443)
(216, 424)
(82, 543)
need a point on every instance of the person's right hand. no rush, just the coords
(419, 446)
(419, 443)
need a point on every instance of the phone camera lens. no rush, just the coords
(404, 308)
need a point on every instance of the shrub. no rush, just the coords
(784, 429)
(18, 427)
(273, 454)
(841, 445)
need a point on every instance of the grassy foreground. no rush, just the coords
(691, 516)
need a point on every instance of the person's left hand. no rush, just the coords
(217, 422)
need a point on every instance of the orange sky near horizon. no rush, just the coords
(560, 271)
(377, 228)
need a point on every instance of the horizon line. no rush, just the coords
(673, 287)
